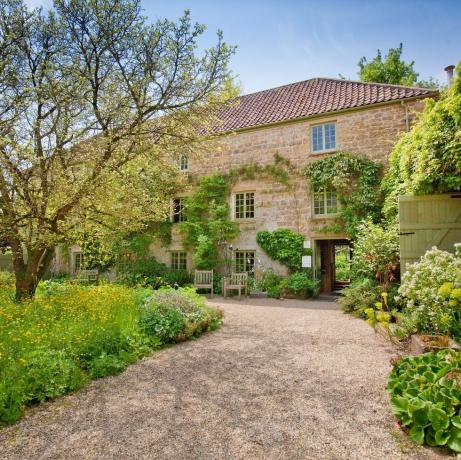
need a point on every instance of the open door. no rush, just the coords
(333, 264)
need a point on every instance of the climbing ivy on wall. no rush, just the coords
(207, 210)
(357, 182)
(284, 246)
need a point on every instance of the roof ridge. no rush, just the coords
(376, 83)
(334, 79)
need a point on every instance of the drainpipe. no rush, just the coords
(407, 118)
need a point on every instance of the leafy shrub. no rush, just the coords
(359, 295)
(176, 278)
(431, 291)
(284, 246)
(269, 280)
(177, 315)
(300, 283)
(376, 253)
(425, 396)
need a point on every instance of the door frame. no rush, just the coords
(324, 270)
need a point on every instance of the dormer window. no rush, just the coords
(324, 137)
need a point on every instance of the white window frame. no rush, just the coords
(75, 256)
(181, 257)
(182, 217)
(322, 125)
(325, 191)
(245, 204)
(184, 163)
(245, 260)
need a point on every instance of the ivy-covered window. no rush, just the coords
(324, 137)
(325, 202)
(245, 262)
(179, 260)
(245, 205)
(178, 214)
(184, 163)
(78, 261)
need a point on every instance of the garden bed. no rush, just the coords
(70, 334)
(421, 343)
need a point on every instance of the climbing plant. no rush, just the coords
(427, 159)
(357, 182)
(284, 246)
(208, 222)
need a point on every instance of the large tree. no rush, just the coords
(391, 69)
(95, 103)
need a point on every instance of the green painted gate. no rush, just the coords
(427, 221)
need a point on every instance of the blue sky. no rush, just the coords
(282, 42)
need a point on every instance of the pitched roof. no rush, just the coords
(308, 98)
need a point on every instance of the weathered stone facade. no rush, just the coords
(370, 131)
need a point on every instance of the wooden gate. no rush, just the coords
(427, 221)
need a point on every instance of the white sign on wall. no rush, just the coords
(306, 262)
(307, 244)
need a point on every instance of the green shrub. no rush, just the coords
(426, 397)
(269, 280)
(431, 292)
(165, 323)
(360, 295)
(301, 283)
(376, 253)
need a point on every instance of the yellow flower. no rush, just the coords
(379, 305)
(456, 294)
(445, 289)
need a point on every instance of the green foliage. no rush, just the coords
(376, 253)
(392, 69)
(427, 159)
(71, 333)
(360, 295)
(356, 180)
(426, 397)
(431, 292)
(284, 246)
(177, 315)
(208, 221)
(299, 283)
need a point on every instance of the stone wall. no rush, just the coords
(371, 132)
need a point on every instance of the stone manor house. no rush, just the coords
(299, 122)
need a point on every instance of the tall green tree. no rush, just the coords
(95, 106)
(390, 69)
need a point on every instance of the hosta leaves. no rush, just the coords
(417, 434)
(438, 418)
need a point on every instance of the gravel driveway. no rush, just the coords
(280, 380)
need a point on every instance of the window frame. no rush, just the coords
(245, 204)
(323, 125)
(325, 214)
(184, 159)
(245, 261)
(181, 259)
(178, 216)
(77, 255)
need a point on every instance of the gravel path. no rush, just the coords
(280, 380)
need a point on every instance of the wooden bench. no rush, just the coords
(203, 279)
(87, 276)
(236, 282)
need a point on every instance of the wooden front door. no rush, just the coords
(328, 281)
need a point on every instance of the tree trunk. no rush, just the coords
(30, 271)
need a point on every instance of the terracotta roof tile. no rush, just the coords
(308, 98)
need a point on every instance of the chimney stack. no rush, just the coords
(449, 70)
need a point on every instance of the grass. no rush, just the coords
(70, 334)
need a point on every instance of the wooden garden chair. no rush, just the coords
(236, 282)
(203, 279)
(87, 276)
